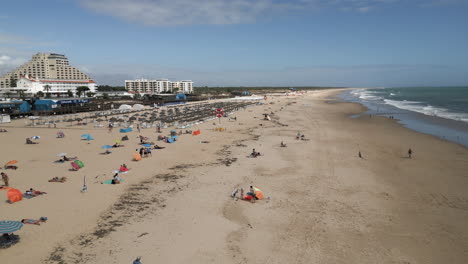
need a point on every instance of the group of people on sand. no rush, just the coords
(145, 152)
(3, 130)
(251, 195)
(410, 154)
(254, 153)
(300, 136)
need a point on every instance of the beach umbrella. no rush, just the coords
(61, 154)
(88, 137)
(106, 147)
(11, 162)
(146, 145)
(99, 120)
(85, 135)
(14, 195)
(35, 137)
(118, 141)
(10, 226)
(74, 165)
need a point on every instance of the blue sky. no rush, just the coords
(359, 43)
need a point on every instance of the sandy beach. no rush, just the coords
(323, 204)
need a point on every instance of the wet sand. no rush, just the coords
(323, 204)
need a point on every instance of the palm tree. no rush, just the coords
(47, 88)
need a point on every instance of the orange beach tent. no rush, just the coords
(14, 195)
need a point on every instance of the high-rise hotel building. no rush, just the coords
(48, 69)
(159, 86)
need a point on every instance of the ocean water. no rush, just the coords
(439, 111)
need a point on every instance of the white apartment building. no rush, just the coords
(54, 86)
(46, 66)
(158, 86)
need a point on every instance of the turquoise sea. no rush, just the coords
(439, 111)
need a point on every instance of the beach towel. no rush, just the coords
(196, 132)
(170, 140)
(110, 181)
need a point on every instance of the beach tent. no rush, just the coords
(258, 193)
(79, 163)
(138, 107)
(7, 227)
(136, 156)
(14, 195)
(87, 137)
(126, 130)
(125, 107)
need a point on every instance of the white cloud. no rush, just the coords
(185, 12)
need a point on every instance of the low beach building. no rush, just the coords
(56, 87)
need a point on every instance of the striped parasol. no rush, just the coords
(10, 226)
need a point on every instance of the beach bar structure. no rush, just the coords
(14, 107)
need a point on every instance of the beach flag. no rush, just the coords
(196, 132)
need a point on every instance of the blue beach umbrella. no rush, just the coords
(106, 147)
(10, 226)
(88, 137)
(146, 145)
(85, 135)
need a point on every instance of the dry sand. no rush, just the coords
(325, 204)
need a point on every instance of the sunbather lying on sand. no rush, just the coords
(11, 167)
(32, 192)
(34, 222)
(57, 179)
(3, 130)
(158, 147)
(65, 158)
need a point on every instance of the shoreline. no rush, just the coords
(441, 127)
(326, 204)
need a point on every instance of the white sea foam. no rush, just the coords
(428, 109)
(365, 94)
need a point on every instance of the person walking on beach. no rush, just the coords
(110, 127)
(409, 153)
(138, 128)
(5, 179)
(360, 155)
